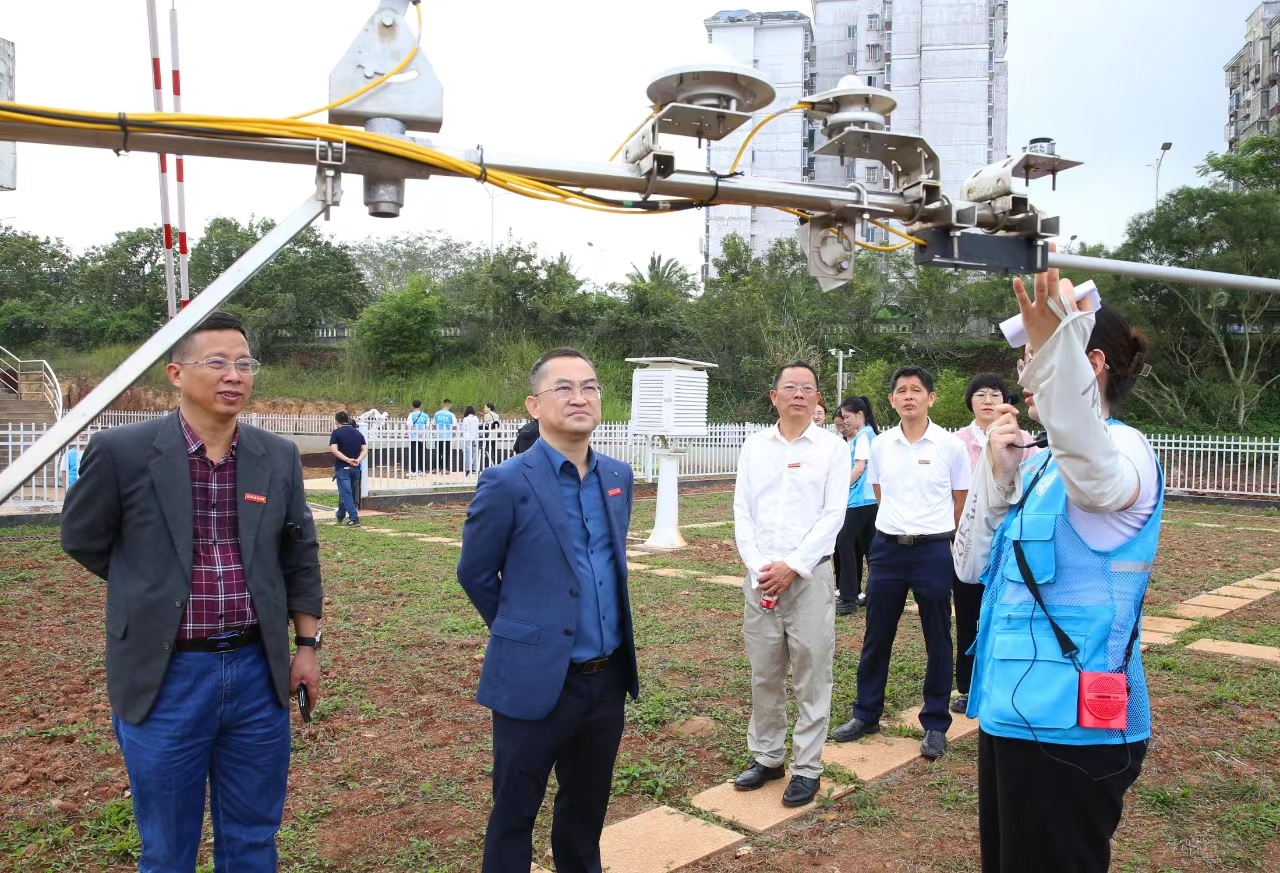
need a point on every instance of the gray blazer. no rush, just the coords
(128, 519)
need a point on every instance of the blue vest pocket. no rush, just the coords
(1035, 532)
(1030, 682)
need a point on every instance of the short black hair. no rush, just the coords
(1125, 349)
(446, 400)
(984, 380)
(342, 417)
(216, 321)
(909, 371)
(417, 404)
(793, 365)
(562, 352)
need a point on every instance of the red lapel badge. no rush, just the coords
(255, 498)
(615, 492)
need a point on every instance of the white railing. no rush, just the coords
(1224, 466)
(30, 380)
(402, 458)
(46, 489)
(276, 422)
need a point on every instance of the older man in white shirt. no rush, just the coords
(788, 507)
(921, 477)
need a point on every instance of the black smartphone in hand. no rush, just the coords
(304, 703)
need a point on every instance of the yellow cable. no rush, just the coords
(376, 82)
(875, 248)
(618, 150)
(750, 136)
(893, 230)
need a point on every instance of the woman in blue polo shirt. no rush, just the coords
(1064, 543)
(857, 424)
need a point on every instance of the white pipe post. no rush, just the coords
(666, 523)
(178, 163)
(157, 101)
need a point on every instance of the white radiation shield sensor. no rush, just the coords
(1016, 333)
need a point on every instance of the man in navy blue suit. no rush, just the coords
(544, 562)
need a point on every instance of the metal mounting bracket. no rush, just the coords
(909, 158)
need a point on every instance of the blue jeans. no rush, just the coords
(347, 477)
(216, 720)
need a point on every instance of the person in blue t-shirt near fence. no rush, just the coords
(419, 422)
(444, 421)
(857, 424)
(349, 447)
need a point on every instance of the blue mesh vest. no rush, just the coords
(861, 492)
(1020, 676)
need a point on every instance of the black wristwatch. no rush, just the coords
(313, 642)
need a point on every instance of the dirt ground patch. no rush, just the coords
(394, 774)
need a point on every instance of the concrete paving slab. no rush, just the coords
(1166, 625)
(734, 581)
(873, 756)
(427, 539)
(633, 553)
(1187, 610)
(1241, 592)
(1217, 601)
(1239, 650)
(961, 725)
(676, 573)
(758, 810)
(379, 530)
(637, 567)
(1155, 638)
(661, 840)
(1266, 582)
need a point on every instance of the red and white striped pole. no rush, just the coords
(177, 159)
(157, 95)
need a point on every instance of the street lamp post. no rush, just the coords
(1071, 243)
(1164, 150)
(840, 355)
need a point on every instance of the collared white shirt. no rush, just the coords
(790, 498)
(916, 481)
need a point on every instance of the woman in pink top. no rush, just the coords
(986, 391)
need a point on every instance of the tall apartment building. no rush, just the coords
(944, 62)
(1253, 78)
(779, 45)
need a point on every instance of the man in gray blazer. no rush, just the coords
(201, 528)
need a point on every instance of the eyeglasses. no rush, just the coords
(244, 366)
(993, 396)
(565, 393)
(806, 390)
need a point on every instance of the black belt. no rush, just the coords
(221, 643)
(916, 540)
(595, 665)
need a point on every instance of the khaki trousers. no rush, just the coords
(799, 632)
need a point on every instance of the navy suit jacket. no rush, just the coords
(517, 568)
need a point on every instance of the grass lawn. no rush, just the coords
(393, 775)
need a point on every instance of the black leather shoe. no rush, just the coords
(846, 607)
(801, 791)
(757, 775)
(934, 745)
(960, 704)
(855, 729)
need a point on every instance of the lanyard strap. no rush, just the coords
(1070, 650)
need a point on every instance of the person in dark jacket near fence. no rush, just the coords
(526, 437)
(200, 528)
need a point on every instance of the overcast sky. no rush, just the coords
(1109, 79)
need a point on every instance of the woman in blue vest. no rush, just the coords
(857, 424)
(1064, 543)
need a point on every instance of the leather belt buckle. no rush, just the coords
(907, 541)
(595, 666)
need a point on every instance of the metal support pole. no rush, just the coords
(79, 417)
(1157, 273)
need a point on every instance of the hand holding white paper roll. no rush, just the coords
(1016, 333)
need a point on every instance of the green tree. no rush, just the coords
(1216, 355)
(34, 281)
(387, 262)
(649, 321)
(1255, 164)
(399, 332)
(313, 281)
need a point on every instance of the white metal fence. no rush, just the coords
(276, 422)
(404, 459)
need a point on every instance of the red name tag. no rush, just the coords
(795, 466)
(255, 498)
(615, 492)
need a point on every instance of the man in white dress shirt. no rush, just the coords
(788, 507)
(921, 477)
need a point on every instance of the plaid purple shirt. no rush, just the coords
(219, 601)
